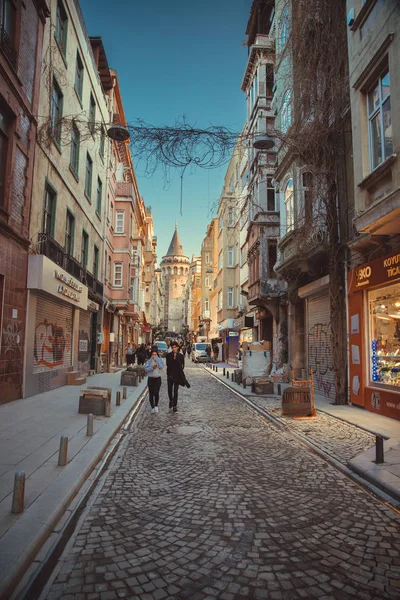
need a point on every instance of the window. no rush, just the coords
(309, 209)
(220, 223)
(207, 258)
(269, 80)
(284, 29)
(220, 261)
(111, 213)
(92, 114)
(380, 121)
(8, 20)
(56, 111)
(96, 262)
(289, 205)
(120, 221)
(286, 112)
(231, 251)
(118, 274)
(69, 234)
(84, 249)
(75, 143)
(61, 27)
(270, 195)
(4, 135)
(220, 300)
(79, 76)
(49, 210)
(207, 282)
(102, 141)
(231, 217)
(384, 330)
(109, 269)
(99, 195)
(206, 304)
(272, 258)
(88, 176)
(230, 297)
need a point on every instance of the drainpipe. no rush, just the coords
(346, 291)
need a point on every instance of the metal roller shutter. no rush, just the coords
(53, 335)
(319, 336)
(85, 330)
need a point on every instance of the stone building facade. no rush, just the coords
(175, 272)
(21, 44)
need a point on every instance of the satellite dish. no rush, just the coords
(119, 133)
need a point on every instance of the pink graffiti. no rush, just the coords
(50, 345)
(325, 386)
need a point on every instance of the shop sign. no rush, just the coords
(233, 334)
(376, 272)
(45, 275)
(83, 345)
(93, 306)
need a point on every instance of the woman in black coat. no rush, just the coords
(175, 374)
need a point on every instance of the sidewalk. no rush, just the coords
(30, 431)
(385, 476)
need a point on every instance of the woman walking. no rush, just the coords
(175, 374)
(153, 368)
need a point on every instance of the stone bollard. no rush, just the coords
(89, 426)
(379, 457)
(63, 452)
(124, 393)
(19, 493)
(118, 399)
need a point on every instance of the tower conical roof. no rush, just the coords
(175, 247)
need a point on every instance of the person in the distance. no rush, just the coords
(175, 367)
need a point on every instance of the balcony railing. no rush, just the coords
(7, 47)
(52, 249)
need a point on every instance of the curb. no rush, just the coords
(49, 519)
(384, 491)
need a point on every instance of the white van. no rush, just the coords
(199, 353)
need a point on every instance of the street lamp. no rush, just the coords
(118, 133)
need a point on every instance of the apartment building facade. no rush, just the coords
(209, 289)
(21, 41)
(374, 276)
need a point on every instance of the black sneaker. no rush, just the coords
(175, 409)
(170, 404)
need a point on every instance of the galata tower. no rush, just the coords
(175, 273)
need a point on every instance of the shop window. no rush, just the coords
(384, 342)
(380, 121)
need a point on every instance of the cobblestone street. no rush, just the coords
(214, 502)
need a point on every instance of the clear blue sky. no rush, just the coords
(177, 58)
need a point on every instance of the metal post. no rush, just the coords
(232, 377)
(379, 458)
(19, 493)
(124, 393)
(108, 408)
(89, 426)
(216, 369)
(244, 383)
(63, 452)
(279, 389)
(227, 374)
(118, 399)
(223, 371)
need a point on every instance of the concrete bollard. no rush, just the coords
(89, 426)
(18, 493)
(118, 399)
(379, 457)
(108, 409)
(63, 452)
(124, 393)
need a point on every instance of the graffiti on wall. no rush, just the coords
(320, 356)
(52, 345)
(12, 337)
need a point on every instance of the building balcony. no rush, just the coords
(301, 250)
(261, 291)
(263, 45)
(52, 249)
(148, 277)
(124, 189)
(148, 256)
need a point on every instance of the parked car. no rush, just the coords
(162, 348)
(199, 353)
